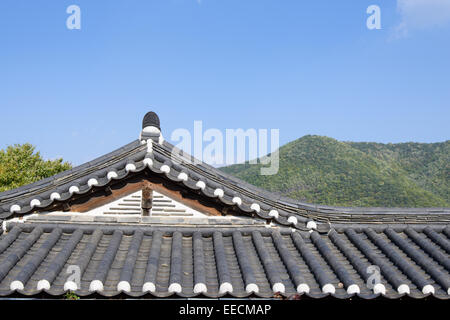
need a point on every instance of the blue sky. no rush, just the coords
(305, 67)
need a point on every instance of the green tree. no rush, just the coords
(21, 165)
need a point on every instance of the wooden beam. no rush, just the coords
(101, 198)
(147, 199)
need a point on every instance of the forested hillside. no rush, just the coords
(313, 169)
(326, 171)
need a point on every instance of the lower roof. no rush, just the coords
(145, 261)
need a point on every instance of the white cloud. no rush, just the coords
(421, 15)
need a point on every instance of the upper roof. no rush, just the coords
(151, 153)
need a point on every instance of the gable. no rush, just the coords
(163, 206)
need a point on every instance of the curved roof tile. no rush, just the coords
(144, 261)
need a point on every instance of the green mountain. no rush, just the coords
(323, 170)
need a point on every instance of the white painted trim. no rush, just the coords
(428, 289)
(96, 286)
(237, 200)
(151, 129)
(43, 285)
(74, 189)
(149, 146)
(311, 225)
(183, 176)
(130, 167)
(200, 288)
(92, 182)
(303, 288)
(70, 286)
(16, 285)
(149, 287)
(225, 287)
(293, 220)
(278, 287)
(14, 208)
(175, 288)
(379, 289)
(35, 203)
(112, 175)
(274, 214)
(55, 196)
(353, 289)
(255, 207)
(403, 288)
(124, 286)
(200, 184)
(148, 162)
(219, 193)
(252, 288)
(329, 288)
(165, 168)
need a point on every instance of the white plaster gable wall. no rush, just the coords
(162, 206)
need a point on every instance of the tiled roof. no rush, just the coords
(160, 159)
(268, 244)
(146, 261)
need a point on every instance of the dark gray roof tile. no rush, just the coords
(144, 261)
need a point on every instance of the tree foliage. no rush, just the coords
(326, 171)
(21, 165)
